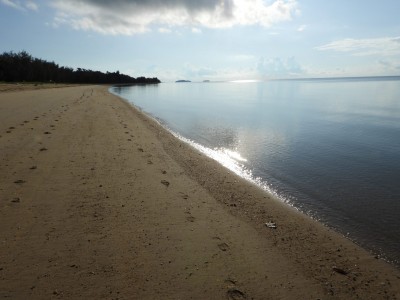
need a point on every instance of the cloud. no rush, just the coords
(129, 17)
(196, 30)
(13, 4)
(386, 46)
(301, 28)
(196, 73)
(32, 5)
(241, 57)
(279, 68)
(391, 66)
(21, 5)
(164, 30)
(191, 71)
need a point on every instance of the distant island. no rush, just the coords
(206, 80)
(22, 67)
(183, 81)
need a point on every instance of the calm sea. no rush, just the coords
(330, 148)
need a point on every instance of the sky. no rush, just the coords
(209, 39)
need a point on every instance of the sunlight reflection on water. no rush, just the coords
(233, 161)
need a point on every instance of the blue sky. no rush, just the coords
(209, 39)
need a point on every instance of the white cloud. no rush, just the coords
(196, 73)
(279, 68)
(13, 4)
(390, 66)
(129, 17)
(164, 30)
(21, 5)
(301, 28)
(196, 30)
(265, 68)
(32, 5)
(386, 46)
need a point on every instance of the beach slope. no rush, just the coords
(99, 201)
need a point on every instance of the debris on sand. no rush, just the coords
(271, 225)
(340, 271)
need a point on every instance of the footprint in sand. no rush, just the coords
(164, 182)
(231, 282)
(190, 218)
(19, 181)
(223, 247)
(183, 195)
(43, 149)
(235, 294)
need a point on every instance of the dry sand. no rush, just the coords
(98, 201)
(12, 87)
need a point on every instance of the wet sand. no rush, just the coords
(98, 201)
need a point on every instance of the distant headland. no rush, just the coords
(178, 81)
(22, 67)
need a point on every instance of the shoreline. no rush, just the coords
(246, 175)
(132, 209)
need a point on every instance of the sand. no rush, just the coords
(13, 87)
(97, 201)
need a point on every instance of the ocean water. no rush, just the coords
(330, 148)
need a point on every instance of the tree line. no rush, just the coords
(22, 67)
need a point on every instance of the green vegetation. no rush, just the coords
(22, 67)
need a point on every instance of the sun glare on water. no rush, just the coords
(231, 154)
(245, 81)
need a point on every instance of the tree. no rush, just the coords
(17, 67)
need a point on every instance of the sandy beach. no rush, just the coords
(98, 201)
